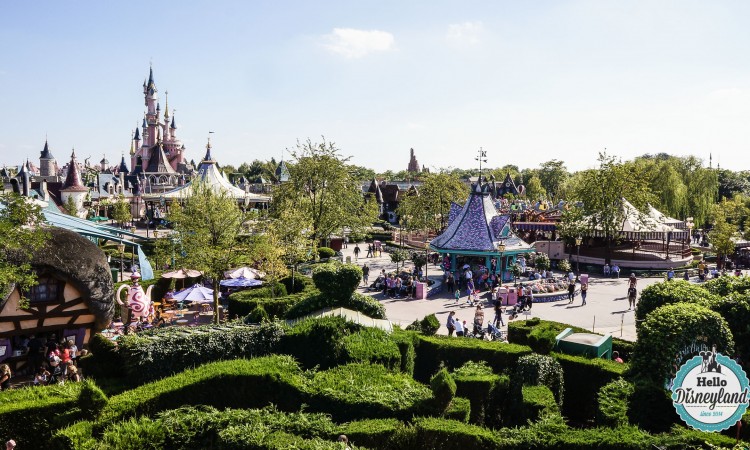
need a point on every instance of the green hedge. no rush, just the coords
(612, 403)
(583, 379)
(667, 293)
(405, 342)
(375, 433)
(432, 351)
(735, 309)
(372, 345)
(31, 415)
(723, 286)
(166, 351)
(486, 391)
(537, 402)
(318, 341)
(104, 361)
(539, 370)
(243, 302)
(356, 301)
(336, 280)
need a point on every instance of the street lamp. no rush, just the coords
(578, 253)
(121, 249)
(501, 250)
(690, 224)
(426, 257)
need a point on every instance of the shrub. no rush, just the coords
(175, 349)
(296, 283)
(429, 325)
(535, 370)
(373, 433)
(735, 309)
(326, 252)
(476, 382)
(336, 280)
(243, 302)
(257, 315)
(519, 332)
(270, 289)
(104, 360)
(564, 265)
(357, 302)
(669, 329)
(459, 409)
(541, 261)
(405, 342)
(542, 338)
(443, 388)
(612, 403)
(75, 437)
(650, 407)
(432, 351)
(666, 293)
(724, 286)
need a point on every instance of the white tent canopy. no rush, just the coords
(350, 315)
(663, 218)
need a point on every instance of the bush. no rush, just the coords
(459, 409)
(612, 403)
(269, 290)
(337, 280)
(650, 407)
(477, 383)
(564, 265)
(430, 324)
(104, 360)
(539, 370)
(432, 351)
(519, 332)
(75, 437)
(175, 349)
(666, 293)
(735, 309)
(724, 286)
(243, 302)
(669, 329)
(326, 252)
(297, 283)
(542, 338)
(405, 342)
(357, 302)
(443, 388)
(258, 315)
(373, 433)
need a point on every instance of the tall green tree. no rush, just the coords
(552, 174)
(429, 209)
(207, 226)
(70, 207)
(721, 238)
(324, 190)
(121, 211)
(21, 235)
(290, 232)
(603, 192)
(534, 189)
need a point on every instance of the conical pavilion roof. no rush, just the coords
(478, 227)
(73, 181)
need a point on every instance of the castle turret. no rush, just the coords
(73, 187)
(47, 163)
(135, 146)
(24, 177)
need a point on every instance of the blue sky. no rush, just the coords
(527, 81)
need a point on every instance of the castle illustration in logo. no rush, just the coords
(709, 363)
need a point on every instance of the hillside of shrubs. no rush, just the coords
(275, 386)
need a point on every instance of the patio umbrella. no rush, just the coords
(99, 219)
(240, 282)
(195, 293)
(182, 274)
(244, 272)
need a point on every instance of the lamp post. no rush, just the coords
(690, 224)
(501, 250)
(578, 254)
(426, 257)
(121, 248)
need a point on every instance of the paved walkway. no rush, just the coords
(606, 309)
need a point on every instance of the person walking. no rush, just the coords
(369, 251)
(365, 274)
(571, 291)
(451, 323)
(457, 294)
(356, 252)
(632, 295)
(616, 271)
(498, 314)
(633, 280)
(459, 328)
(584, 291)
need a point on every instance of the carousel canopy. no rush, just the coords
(244, 272)
(477, 227)
(663, 218)
(195, 293)
(240, 282)
(182, 273)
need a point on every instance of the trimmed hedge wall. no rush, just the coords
(165, 351)
(538, 402)
(356, 301)
(667, 293)
(612, 403)
(243, 302)
(30, 415)
(487, 392)
(432, 351)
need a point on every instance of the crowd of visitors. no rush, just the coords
(50, 361)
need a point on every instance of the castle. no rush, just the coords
(157, 156)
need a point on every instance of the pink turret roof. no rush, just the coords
(73, 181)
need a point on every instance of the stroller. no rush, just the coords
(377, 285)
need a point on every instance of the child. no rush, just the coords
(632, 294)
(458, 295)
(41, 377)
(73, 374)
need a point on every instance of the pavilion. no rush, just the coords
(477, 234)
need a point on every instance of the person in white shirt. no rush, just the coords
(459, 328)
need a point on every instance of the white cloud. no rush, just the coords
(465, 33)
(353, 43)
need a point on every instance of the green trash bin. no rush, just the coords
(115, 274)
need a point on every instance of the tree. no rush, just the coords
(603, 192)
(428, 208)
(552, 175)
(267, 255)
(572, 225)
(207, 227)
(290, 231)
(21, 235)
(323, 189)
(534, 189)
(121, 211)
(732, 183)
(721, 238)
(70, 207)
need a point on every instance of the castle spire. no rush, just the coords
(166, 106)
(73, 179)
(132, 145)
(208, 148)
